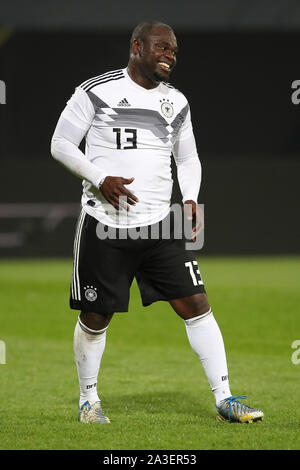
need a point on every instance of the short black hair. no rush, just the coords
(144, 28)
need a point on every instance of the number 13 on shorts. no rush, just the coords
(194, 272)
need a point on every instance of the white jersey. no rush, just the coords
(129, 131)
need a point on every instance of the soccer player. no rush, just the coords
(133, 121)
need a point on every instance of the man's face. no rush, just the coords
(157, 54)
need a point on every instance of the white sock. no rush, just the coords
(206, 340)
(89, 346)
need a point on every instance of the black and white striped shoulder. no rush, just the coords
(104, 78)
(174, 89)
(169, 85)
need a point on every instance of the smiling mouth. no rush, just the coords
(166, 67)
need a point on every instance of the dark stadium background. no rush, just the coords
(236, 65)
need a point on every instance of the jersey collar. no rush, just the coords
(137, 86)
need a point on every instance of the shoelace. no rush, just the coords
(234, 401)
(99, 412)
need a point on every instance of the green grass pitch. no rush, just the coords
(152, 385)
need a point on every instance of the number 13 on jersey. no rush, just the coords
(131, 137)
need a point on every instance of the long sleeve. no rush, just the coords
(71, 128)
(187, 162)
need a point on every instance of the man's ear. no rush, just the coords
(137, 47)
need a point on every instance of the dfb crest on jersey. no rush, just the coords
(90, 293)
(167, 108)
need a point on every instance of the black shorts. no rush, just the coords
(104, 269)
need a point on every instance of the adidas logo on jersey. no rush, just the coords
(124, 102)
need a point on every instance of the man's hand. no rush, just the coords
(116, 194)
(194, 212)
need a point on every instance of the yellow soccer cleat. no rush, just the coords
(234, 411)
(91, 412)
